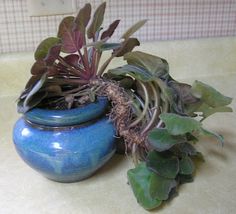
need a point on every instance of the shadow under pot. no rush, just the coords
(66, 145)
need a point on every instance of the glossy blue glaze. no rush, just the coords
(68, 117)
(65, 154)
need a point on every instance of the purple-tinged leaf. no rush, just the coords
(52, 71)
(133, 29)
(184, 92)
(97, 21)
(39, 68)
(108, 33)
(53, 88)
(73, 60)
(127, 46)
(53, 54)
(72, 40)
(83, 17)
(44, 47)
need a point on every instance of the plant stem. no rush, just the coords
(104, 66)
(63, 80)
(82, 59)
(93, 64)
(75, 90)
(156, 111)
(85, 52)
(99, 54)
(142, 115)
(137, 108)
(134, 154)
(73, 70)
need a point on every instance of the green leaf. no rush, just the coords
(109, 46)
(179, 125)
(186, 166)
(97, 21)
(209, 95)
(190, 109)
(83, 17)
(161, 139)
(164, 165)
(208, 110)
(187, 149)
(161, 187)
(140, 179)
(134, 71)
(39, 67)
(133, 29)
(126, 47)
(185, 178)
(44, 47)
(153, 64)
(167, 93)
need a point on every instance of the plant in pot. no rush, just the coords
(72, 109)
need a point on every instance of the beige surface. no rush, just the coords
(23, 190)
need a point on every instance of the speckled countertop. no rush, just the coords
(23, 190)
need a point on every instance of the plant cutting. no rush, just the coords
(157, 118)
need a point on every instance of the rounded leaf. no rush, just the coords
(44, 47)
(72, 39)
(164, 165)
(186, 166)
(139, 179)
(162, 140)
(179, 125)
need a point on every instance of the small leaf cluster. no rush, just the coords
(169, 163)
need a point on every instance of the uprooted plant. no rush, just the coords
(158, 118)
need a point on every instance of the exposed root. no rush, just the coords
(121, 114)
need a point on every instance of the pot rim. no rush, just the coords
(67, 117)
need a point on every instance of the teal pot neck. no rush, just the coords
(68, 117)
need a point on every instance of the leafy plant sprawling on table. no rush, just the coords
(154, 114)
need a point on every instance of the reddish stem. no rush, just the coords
(78, 71)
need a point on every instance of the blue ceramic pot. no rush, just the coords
(66, 145)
